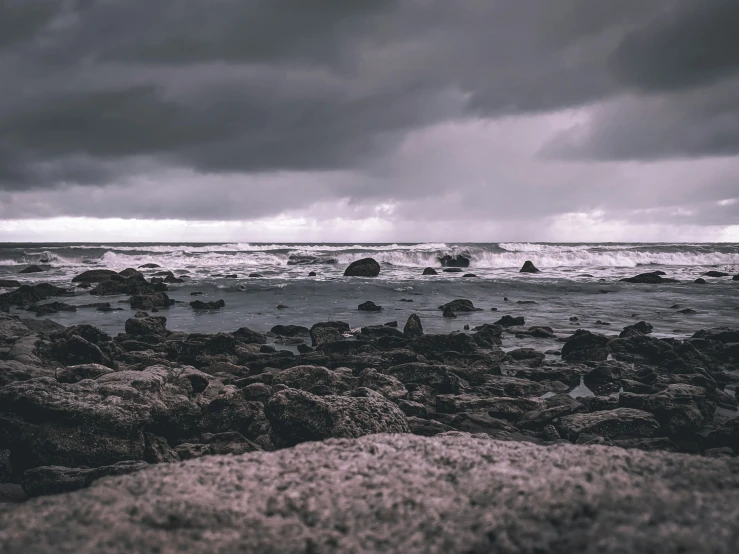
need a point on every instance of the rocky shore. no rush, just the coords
(488, 449)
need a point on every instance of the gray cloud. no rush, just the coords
(232, 109)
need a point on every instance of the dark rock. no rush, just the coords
(147, 326)
(200, 305)
(460, 305)
(469, 275)
(585, 346)
(609, 424)
(304, 348)
(252, 275)
(687, 311)
(94, 276)
(413, 327)
(31, 294)
(51, 308)
(369, 306)
(77, 373)
(716, 274)
(529, 267)
(448, 312)
(735, 278)
(599, 322)
(652, 278)
(439, 344)
(77, 350)
(430, 271)
(150, 301)
(135, 285)
(366, 267)
(700, 281)
(323, 335)
(290, 330)
(541, 332)
(391, 324)
(297, 416)
(9, 283)
(32, 269)
(458, 260)
(149, 266)
(315, 379)
(57, 479)
(440, 378)
(510, 321)
(246, 335)
(574, 318)
(642, 327)
(453, 270)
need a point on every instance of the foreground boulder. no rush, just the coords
(451, 493)
(366, 267)
(297, 416)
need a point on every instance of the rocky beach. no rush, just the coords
(422, 421)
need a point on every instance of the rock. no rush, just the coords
(32, 269)
(366, 267)
(219, 444)
(94, 276)
(453, 270)
(369, 306)
(510, 321)
(700, 281)
(716, 274)
(609, 424)
(541, 332)
(77, 350)
(51, 308)
(413, 327)
(312, 274)
(354, 496)
(290, 330)
(735, 278)
(297, 416)
(529, 267)
(135, 285)
(31, 294)
(430, 271)
(252, 275)
(57, 479)
(9, 284)
(687, 311)
(604, 323)
(200, 305)
(387, 385)
(147, 326)
(448, 312)
(460, 305)
(585, 346)
(149, 266)
(642, 327)
(458, 260)
(77, 373)
(315, 379)
(150, 301)
(321, 336)
(440, 378)
(652, 278)
(246, 335)
(469, 275)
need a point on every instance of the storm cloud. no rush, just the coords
(466, 110)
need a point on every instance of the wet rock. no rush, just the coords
(247, 336)
(510, 321)
(735, 278)
(469, 275)
(438, 377)
(458, 260)
(716, 274)
(602, 373)
(147, 326)
(51, 308)
(651, 278)
(369, 306)
(677, 408)
(526, 354)
(149, 266)
(452, 270)
(366, 267)
(529, 267)
(32, 269)
(642, 327)
(150, 301)
(549, 410)
(297, 416)
(541, 332)
(726, 436)
(604, 323)
(94, 276)
(76, 350)
(9, 284)
(57, 479)
(315, 379)
(290, 330)
(200, 305)
(497, 407)
(135, 285)
(609, 424)
(31, 294)
(321, 336)
(430, 271)
(460, 305)
(413, 327)
(585, 346)
(430, 345)
(312, 274)
(449, 313)
(158, 451)
(687, 311)
(700, 281)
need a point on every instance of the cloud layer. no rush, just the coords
(516, 110)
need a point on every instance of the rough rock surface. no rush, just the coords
(366, 267)
(451, 493)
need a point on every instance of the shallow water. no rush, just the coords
(560, 291)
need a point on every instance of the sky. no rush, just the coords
(369, 120)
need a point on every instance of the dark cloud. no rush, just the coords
(228, 109)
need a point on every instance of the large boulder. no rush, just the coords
(298, 416)
(150, 301)
(585, 346)
(452, 493)
(413, 327)
(366, 267)
(146, 326)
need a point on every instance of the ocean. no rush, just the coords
(576, 281)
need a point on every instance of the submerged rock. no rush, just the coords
(651, 278)
(366, 267)
(94, 276)
(369, 306)
(470, 493)
(200, 305)
(460, 305)
(430, 271)
(32, 269)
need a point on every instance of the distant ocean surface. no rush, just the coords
(576, 280)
